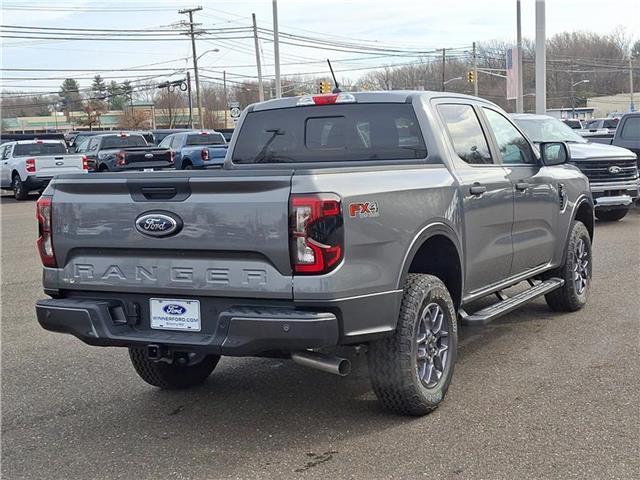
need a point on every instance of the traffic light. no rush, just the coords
(325, 87)
(471, 77)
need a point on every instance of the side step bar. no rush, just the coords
(508, 304)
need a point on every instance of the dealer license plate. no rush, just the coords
(173, 314)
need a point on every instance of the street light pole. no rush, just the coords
(573, 94)
(190, 11)
(519, 97)
(276, 48)
(541, 59)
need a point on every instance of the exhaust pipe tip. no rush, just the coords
(326, 363)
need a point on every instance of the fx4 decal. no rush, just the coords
(364, 210)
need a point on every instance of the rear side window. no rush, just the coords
(466, 133)
(631, 129)
(331, 133)
(122, 142)
(611, 123)
(35, 149)
(205, 139)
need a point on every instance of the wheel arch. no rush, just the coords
(584, 212)
(436, 250)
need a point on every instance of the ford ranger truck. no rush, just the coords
(29, 165)
(370, 220)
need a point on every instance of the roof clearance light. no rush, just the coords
(326, 99)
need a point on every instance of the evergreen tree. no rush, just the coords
(70, 95)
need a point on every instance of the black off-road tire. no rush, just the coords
(171, 376)
(611, 215)
(20, 192)
(568, 298)
(393, 363)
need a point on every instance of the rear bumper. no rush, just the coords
(37, 183)
(235, 331)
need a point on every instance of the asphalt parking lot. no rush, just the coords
(534, 395)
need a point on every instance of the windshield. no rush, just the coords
(121, 142)
(548, 130)
(331, 133)
(35, 149)
(205, 139)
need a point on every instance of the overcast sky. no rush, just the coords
(425, 24)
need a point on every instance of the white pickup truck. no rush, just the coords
(28, 165)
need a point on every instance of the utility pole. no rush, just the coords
(520, 92)
(276, 48)
(226, 99)
(632, 107)
(541, 59)
(190, 11)
(258, 64)
(444, 61)
(189, 98)
(475, 70)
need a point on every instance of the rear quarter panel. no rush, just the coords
(408, 199)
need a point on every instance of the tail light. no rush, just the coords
(85, 163)
(31, 165)
(204, 154)
(172, 159)
(316, 238)
(45, 243)
(121, 158)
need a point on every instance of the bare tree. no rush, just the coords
(134, 119)
(172, 108)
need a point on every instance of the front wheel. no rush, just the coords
(20, 192)
(411, 370)
(576, 273)
(611, 215)
(172, 376)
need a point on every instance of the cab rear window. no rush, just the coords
(36, 149)
(118, 141)
(331, 133)
(206, 139)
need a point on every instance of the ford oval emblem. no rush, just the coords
(158, 224)
(174, 309)
(615, 169)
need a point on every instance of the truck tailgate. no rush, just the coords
(233, 240)
(50, 165)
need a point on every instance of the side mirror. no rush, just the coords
(554, 153)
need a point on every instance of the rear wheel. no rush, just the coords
(20, 192)
(576, 273)
(172, 376)
(411, 370)
(611, 215)
(188, 166)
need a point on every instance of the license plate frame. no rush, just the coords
(175, 314)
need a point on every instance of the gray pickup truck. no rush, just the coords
(371, 219)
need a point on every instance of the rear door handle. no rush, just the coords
(477, 189)
(522, 186)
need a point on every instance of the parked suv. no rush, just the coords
(368, 219)
(612, 171)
